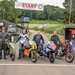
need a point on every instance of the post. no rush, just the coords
(70, 12)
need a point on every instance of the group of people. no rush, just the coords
(37, 38)
(23, 40)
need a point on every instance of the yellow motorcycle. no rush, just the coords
(33, 51)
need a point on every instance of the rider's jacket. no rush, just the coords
(55, 39)
(4, 38)
(38, 38)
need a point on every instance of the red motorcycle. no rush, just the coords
(69, 57)
(66, 51)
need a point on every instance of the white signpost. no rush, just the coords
(29, 6)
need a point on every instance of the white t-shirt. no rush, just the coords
(23, 38)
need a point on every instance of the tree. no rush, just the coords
(8, 11)
(53, 13)
(67, 12)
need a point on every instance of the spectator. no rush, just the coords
(4, 38)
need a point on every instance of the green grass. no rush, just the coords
(44, 21)
(50, 27)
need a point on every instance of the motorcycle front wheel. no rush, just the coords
(51, 57)
(33, 55)
(69, 58)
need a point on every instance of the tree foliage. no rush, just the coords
(67, 4)
(8, 12)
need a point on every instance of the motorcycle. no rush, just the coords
(12, 51)
(31, 51)
(65, 51)
(12, 48)
(69, 56)
(47, 51)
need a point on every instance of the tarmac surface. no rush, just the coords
(37, 70)
(41, 60)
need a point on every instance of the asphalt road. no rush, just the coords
(41, 60)
(36, 70)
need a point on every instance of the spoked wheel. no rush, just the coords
(33, 56)
(51, 57)
(69, 58)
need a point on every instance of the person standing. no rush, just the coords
(4, 38)
(56, 40)
(23, 42)
(0, 42)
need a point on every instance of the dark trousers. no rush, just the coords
(4, 53)
(21, 54)
(4, 49)
(0, 54)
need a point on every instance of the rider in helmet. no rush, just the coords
(38, 38)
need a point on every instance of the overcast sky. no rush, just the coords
(50, 2)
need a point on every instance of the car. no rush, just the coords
(12, 28)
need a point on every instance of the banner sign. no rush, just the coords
(29, 6)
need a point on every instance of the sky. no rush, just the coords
(45, 2)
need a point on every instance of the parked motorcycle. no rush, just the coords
(65, 51)
(31, 52)
(12, 47)
(69, 56)
(12, 50)
(47, 51)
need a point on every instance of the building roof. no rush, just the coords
(69, 26)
